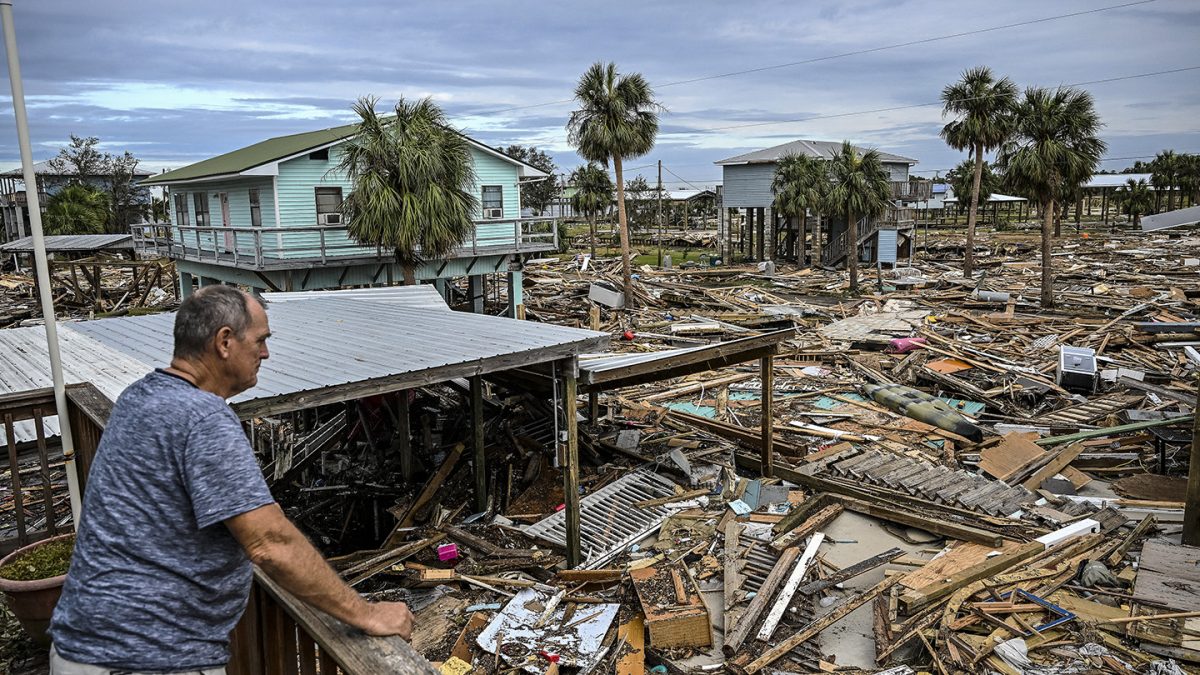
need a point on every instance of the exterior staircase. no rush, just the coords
(836, 250)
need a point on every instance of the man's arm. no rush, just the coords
(274, 544)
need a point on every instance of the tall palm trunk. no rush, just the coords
(1048, 212)
(969, 257)
(410, 275)
(818, 249)
(852, 250)
(592, 230)
(623, 225)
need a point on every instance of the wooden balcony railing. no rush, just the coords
(912, 191)
(280, 634)
(38, 503)
(266, 248)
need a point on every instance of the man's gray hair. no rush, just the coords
(205, 312)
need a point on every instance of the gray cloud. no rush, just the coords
(178, 82)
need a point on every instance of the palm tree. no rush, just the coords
(1164, 172)
(617, 119)
(410, 175)
(78, 208)
(593, 194)
(982, 107)
(962, 180)
(1054, 144)
(800, 185)
(860, 188)
(1135, 199)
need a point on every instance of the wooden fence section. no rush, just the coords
(33, 501)
(280, 634)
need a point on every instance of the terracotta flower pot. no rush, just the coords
(32, 602)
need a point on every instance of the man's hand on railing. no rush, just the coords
(388, 618)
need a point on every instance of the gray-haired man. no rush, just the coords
(176, 510)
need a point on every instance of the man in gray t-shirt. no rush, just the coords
(177, 509)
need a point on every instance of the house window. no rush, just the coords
(181, 212)
(255, 209)
(200, 199)
(321, 155)
(329, 206)
(493, 201)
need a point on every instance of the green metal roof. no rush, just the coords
(251, 156)
(274, 149)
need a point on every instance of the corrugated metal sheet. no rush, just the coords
(73, 242)
(25, 365)
(1176, 218)
(317, 343)
(887, 246)
(324, 341)
(420, 296)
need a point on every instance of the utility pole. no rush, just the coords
(39, 257)
(660, 215)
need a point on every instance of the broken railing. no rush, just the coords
(37, 504)
(280, 634)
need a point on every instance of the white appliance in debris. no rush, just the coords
(1077, 369)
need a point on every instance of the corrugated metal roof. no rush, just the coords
(1114, 180)
(26, 366)
(317, 343)
(73, 242)
(419, 296)
(821, 149)
(684, 195)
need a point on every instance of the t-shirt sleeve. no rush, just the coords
(220, 472)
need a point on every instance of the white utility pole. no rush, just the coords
(39, 257)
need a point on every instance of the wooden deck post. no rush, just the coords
(593, 406)
(767, 398)
(571, 463)
(477, 443)
(404, 434)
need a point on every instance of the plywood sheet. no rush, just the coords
(1169, 575)
(1007, 458)
(961, 557)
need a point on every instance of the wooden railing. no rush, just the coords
(265, 248)
(280, 634)
(912, 190)
(38, 505)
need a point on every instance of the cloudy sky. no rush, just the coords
(176, 81)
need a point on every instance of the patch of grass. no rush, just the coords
(43, 562)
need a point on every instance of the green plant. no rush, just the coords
(45, 561)
(409, 175)
(1054, 145)
(983, 110)
(77, 209)
(617, 119)
(860, 188)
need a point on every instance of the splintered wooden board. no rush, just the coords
(964, 556)
(1014, 452)
(948, 366)
(673, 621)
(1169, 575)
(631, 660)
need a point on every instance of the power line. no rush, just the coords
(681, 179)
(936, 103)
(858, 52)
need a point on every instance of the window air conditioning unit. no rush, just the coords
(330, 219)
(493, 213)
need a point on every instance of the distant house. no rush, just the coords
(268, 216)
(14, 205)
(747, 188)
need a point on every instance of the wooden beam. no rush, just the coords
(571, 468)
(477, 444)
(431, 488)
(766, 398)
(851, 571)
(916, 599)
(1191, 509)
(404, 435)
(1056, 464)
